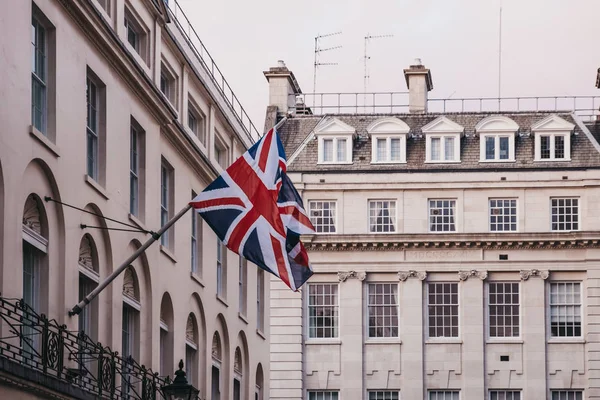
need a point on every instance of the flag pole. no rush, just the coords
(155, 236)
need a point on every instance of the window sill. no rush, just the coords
(168, 253)
(47, 143)
(551, 159)
(441, 232)
(197, 278)
(335, 163)
(443, 341)
(222, 300)
(261, 334)
(497, 161)
(136, 221)
(243, 318)
(504, 341)
(315, 341)
(579, 340)
(96, 186)
(388, 162)
(383, 341)
(442, 162)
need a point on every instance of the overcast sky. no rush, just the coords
(549, 47)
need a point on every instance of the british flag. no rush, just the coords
(255, 210)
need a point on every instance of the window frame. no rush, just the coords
(567, 391)
(578, 221)
(323, 393)
(497, 136)
(171, 80)
(195, 111)
(221, 262)
(196, 236)
(489, 314)
(221, 151)
(581, 305)
(505, 392)
(242, 286)
(134, 170)
(443, 137)
(382, 305)
(383, 393)
(453, 215)
(311, 209)
(458, 306)
(141, 46)
(93, 132)
(335, 328)
(388, 146)
(552, 135)
(393, 217)
(516, 215)
(260, 299)
(40, 26)
(334, 139)
(167, 194)
(442, 391)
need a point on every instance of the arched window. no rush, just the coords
(191, 350)
(130, 345)
(217, 354)
(88, 280)
(166, 336)
(237, 374)
(258, 392)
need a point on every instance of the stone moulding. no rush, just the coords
(344, 275)
(464, 275)
(404, 275)
(528, 273)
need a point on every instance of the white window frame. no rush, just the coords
(171, 83)
(40, 78)
(199, 116)
(335, 139)
(312, 203)
(458, 305)
(382, 305)
(552, 136)
(497, 136)
(489, 314)
(221, 259)
(393, 216)
(260, 299)
(242, 285)
(505, 392)
(325, 394)
(443, 137)
(383, 394)
(581, 311)
(443, 392)
(510, 223)
(336, 326)
(579, 219)
(455, 222)
(388, 148)
(566, 392)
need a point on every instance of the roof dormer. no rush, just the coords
(497, 139)
(552, 139)
(334, 141)
(388, 140)
(443, 140)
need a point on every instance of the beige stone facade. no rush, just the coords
(109, 106)
(418, 293)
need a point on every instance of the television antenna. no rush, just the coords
(366, 58)
(318, 51)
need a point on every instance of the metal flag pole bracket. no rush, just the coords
(155, 236)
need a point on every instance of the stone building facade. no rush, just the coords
(456, 255)
(116, 108)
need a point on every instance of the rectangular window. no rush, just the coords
(133, 35)
(323, 310)
(382, 307)
(323, 395)
(128, 331)
(168, 84)
(505, 395)
(166, 201)
(322, 216)
(503, 215)
(396, 149)
(192, 122)
(196, 241)
(565, 309)
(382, 216)
(220, 260)
(504, 309)
(39, 83)
(490, 148)
(565, 214)
(442, 302)
(134, 171)
(441, 215)
(444, 395)
(504, 148)
(196, 122)
(190, 363)
(242, 271)
(497, 147)
(93, 118)
(435, 149)
(567, 394)
(221, 152)
(449, 149)
(545, 150)
(384, 395)
(381, 149)
(260, 299)
(86, 319)
(327, 150)
(559, 147)
(341, 150)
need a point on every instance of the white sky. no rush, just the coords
(549, 47)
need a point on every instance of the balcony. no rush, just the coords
(40, 352)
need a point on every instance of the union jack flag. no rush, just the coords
(255, 210)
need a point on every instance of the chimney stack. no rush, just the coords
(418, 80)
(283, 88)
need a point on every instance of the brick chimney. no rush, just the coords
(418, 80)
(283, 88)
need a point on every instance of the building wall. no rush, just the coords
(31, 163)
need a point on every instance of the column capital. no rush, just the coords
(344, 275)
(528, 273)
(464, 275)
(404, 275)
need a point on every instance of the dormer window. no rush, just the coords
(497, 138)
(552, 139)
(442, 140)
(334, 141)
(388, 140)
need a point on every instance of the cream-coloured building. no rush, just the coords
(457, 248)
(115, 107)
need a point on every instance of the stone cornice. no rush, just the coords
(515, 241)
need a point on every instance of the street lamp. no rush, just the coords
(180, 389)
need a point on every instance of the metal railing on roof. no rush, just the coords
(587, 107)
(206, 60)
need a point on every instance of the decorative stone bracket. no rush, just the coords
(464, 275)
(343, 276)
(404, 275)
(528, 273)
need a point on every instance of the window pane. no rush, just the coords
(565, 309)
(435, 149)
(559, 146)
(490, 148)
(341, 150)
(323, 311)
(545, 146)
(322, 216)
(564, 214)
(504, 148)
(382, 307)
(327, 150)
(443, 309)
(381, 150)
(396, 154)
(504, 310)
(441, 215)
(449, 149)
(503, 215)
(382, 216)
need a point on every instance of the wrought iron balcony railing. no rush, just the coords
(41, 344)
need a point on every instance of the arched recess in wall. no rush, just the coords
(220, 354)
(200, 374)
(241, 367)
(167, 365)
(43, 255)
(259, 383)
(88, 278)
(145, 327)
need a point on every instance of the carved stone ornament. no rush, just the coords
(129, 289)
(31, 215)
(404, 275)
(464, 275)
(237, 362)
(85, 253)
(528, 273)
(216, 347)
(190, 331)
(344, 275)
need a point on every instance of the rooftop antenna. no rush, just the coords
(318, 51)
(367, 58)
(500, 57)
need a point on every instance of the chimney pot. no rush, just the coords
(280, 63)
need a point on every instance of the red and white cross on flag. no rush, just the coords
(255, 210)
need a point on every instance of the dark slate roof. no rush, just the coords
(296, 129)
